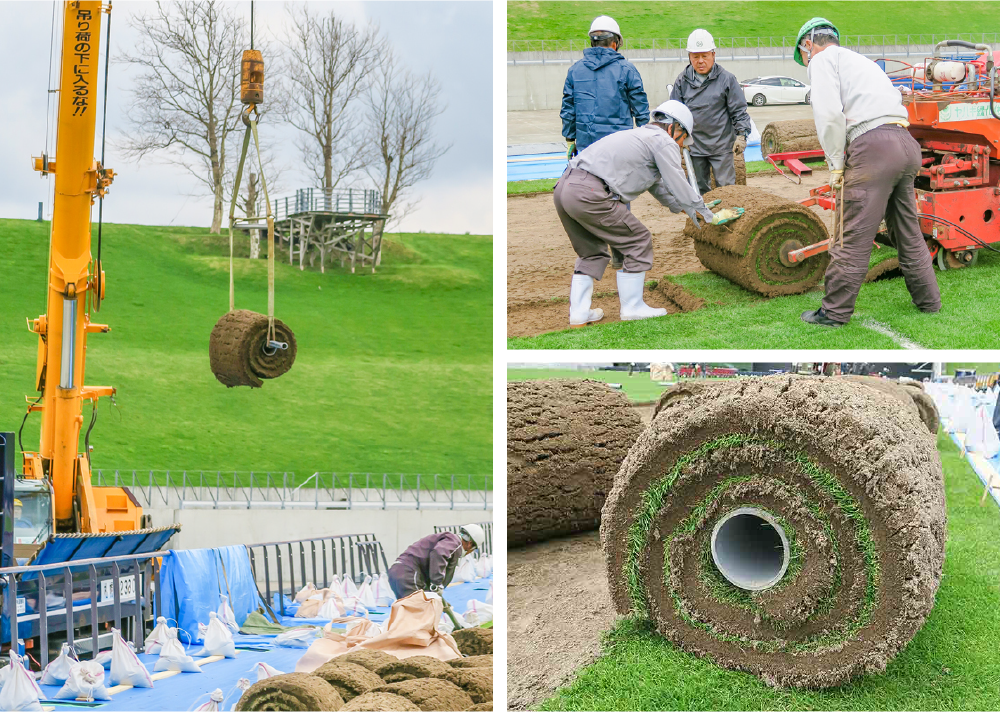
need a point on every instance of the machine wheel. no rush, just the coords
(759, 100)
(956, 260)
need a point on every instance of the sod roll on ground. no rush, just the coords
(565, 441)
(792, 527)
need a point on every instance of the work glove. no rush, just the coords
(727, 215)
(570, 149)
(713, 203)
(741, 144)
(837, 179)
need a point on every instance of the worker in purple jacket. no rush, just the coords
(430, 563)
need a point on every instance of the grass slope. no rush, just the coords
(393, 372)
(737, 319)
(949, 665)
(562, 20)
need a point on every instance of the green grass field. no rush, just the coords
(546, 185)
(728, 18)
(638, 387)
(951, 664)
(393, 373)
(735, 318)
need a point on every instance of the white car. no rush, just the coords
(775, 90)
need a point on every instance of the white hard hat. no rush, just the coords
(475, 533)
(701, 41)
(675, 110)
(604, 24)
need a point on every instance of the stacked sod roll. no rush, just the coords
(792, 527)
(788, 136)
(565, 441)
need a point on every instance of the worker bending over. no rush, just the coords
(430, 563)
(861, 123)
(590, 199)
(719, 107)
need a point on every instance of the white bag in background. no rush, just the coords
(466, 570)
(478, 613)
(446, 626)
(265, 671)
(354, 607)
(337, 586)
(218, 639)
(173, 657)
(366, 596)
(86, 681)
(383, 591)
(227, 616)
(350, 590)
(202, 629)
(104, 659)
(20, 691)
(329, 609)
(6, 670)
(214, 702)
(305, 592)
(57, 671)
(158, 636)
(982, 436)
(298, 638)
(481, 567)
(126, 668)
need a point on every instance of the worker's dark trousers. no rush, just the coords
(403, 580)
(722, 166)
(878, 181)
(594, 219)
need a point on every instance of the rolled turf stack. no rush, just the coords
(294, 691)
(565, 442)
(787, 136)
(752, 251)
(236, 349)
(831, 565)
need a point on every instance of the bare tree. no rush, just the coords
(327, 66)
(186, 101)
(402, 108)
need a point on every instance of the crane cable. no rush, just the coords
(96, 299)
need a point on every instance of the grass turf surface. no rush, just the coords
(950, 664)
(638, 387)
(563, 20)
(393, 373)
(546, 185)
(735, 318)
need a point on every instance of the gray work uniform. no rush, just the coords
(429, 561)
(878, 181)
(590, 196)
(720, 114)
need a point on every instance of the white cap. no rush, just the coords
(604, 24)
(701, 41)
(676, 111)
(475, 533)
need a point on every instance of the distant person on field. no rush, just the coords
(603, 93)
(429, 564)
(721, 121)
(861, 123)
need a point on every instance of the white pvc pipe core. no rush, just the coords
(750, 549)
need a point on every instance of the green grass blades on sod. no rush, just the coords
(519, 187)
(638, 387)
(736, 318)
(647, 20)
(393, 372)
(951, 664)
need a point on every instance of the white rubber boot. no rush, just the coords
(630, 287)
(581, 292)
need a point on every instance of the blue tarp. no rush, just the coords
(69, 548)
(194, 580)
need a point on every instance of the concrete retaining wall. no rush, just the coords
(396, 529)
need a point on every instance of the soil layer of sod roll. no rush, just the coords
(750, 250)
(925, 405)
(786, 136)
(565, 442)
(853, 481)
(293, 691)
(236, 349)
(890, 388)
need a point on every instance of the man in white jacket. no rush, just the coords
(873, 161)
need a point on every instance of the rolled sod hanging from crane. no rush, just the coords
(566, 440)
(753, 251)
(246, 347)
(792, 527)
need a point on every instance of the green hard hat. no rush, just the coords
(805, 29)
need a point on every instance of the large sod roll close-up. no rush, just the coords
(239, 351)
(753, 250)
(294, 692)
(911, 397)
(565, 442)
(788, 136)
(792, 527)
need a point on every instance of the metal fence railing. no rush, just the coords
(89, 594)
(339, 200)
(284, 567)
(487, 547)
(283, 490)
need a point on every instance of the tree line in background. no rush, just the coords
(359, 114)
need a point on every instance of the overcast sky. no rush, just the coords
(452, 39)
